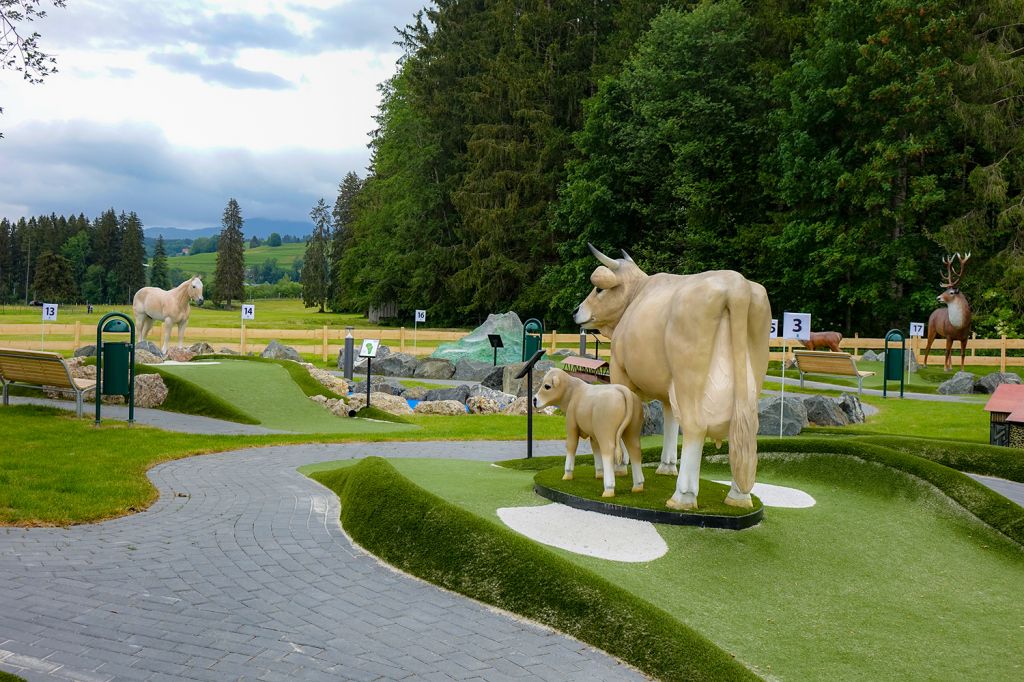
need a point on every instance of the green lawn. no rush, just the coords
(206, 263)
(925, 380)
(882, 579)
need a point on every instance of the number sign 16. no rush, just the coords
(917, 329)
(49, 311)
(421, 315)
(796, 326)
(248, 312)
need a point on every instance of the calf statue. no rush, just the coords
(699, 344)
(609, 415)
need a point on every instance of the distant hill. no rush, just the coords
(205, 263)
(258, 227)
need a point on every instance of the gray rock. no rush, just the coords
(227, 351)
(396, 365)
(910, 361)
(277, 351)
(989, 382)
(201, 348)
(459, 393)
(823, 411)
(503, 399)
(467, 369)
(794, 416)
(435, 368)
(414, 393)
(852, 407)
(377, 385)
(495, 378)
(149, 346)
(359, 364)
(86, 352)
(518, 387)
(872, 356)
(654, 419)
(962, 382)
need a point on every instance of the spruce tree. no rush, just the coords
(229, 276)
(316, 264)
(158, 275)
(131, 266)
(106, 251)
(54, 281)
(343, 213)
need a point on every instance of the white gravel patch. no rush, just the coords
(585, 532)
(780, 496)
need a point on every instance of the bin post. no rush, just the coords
(533, 334)
(115, 363)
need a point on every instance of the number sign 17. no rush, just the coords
(917, 329)
(49, 311)
(796, 326)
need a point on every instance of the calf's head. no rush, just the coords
(552, 388)
(615, 283)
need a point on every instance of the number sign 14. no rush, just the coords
(49, 311)
(248, 312)
(917, 329)
(796, 326)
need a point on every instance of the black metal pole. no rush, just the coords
(368, 361)
(495, 357)
(131, 377)
(99, 371)
(529, 414)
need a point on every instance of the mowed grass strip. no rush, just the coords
(883, 578)
(423, 534)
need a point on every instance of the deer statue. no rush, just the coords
(953, 322)
(829, 339)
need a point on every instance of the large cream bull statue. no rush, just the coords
(698, 343)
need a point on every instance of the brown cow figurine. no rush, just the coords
(829, 339)
(953, 322)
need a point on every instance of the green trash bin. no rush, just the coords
(895, 351)
(533, 331)
(116, 368)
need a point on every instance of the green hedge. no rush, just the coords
(430, 538)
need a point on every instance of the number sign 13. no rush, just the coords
(796, 326)
(49, 311)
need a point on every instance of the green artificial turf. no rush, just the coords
(883, 578)
(267, 392)
(187, 397)
(657, 489)
(8, 677)
(298, 373)
(449, 546)
(925, 380)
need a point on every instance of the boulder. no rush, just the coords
(333, 405)
(503, 399)
(82, 371)
(327, 380)
(871, 356)
(377, 385)
(561, 353)
(989, 382)
(823, 411)
(435, 368)
(962, 382)
(449, 408)
(457, 393)
(518, 387)
(201, 348)
(478, 404)
(391, 404)
(179, 354)
(396, 365)
(852, 407)
(148, 346)
(794, 416)
(227, 351)
(467, 369)
(495, 378)
(147, 358)
(85, 352)
(475, 345)
(277, 351)
(359, 364)
(415, 393)
(150, 390)
(521, 404)
(654, 419)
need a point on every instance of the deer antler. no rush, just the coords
(952, 279)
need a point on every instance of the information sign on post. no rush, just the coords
(917, 329)
(369, 351)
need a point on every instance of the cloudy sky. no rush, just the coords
(170, 107)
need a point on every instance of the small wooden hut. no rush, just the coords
(1006, 416)
(591, 370)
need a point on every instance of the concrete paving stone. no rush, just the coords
(250, 562)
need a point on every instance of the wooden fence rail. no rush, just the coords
(326, 342)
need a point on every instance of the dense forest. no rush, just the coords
(832, 150)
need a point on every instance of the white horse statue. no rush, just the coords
(170, 307)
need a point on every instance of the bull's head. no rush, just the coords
(615, 283)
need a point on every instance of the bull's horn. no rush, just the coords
(609, 263)
(625, 256)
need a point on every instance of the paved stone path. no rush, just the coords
(242, 570)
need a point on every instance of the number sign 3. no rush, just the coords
(796, 326)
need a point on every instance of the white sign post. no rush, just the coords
(917, 329)
(49, 314)
(794, 326)
(421, 316)
(248, 313)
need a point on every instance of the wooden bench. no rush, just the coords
(41, 369)
(827, 362)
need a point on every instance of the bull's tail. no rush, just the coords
(627, 417)
(744, 423)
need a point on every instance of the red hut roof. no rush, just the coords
(1008, 398)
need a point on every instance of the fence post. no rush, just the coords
(915, 346)
(974, 335)
(1002, 353)
(78, 334)
(323, 353)
(554, 340)
(856, 335)
(401, 339)
(242, 337)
